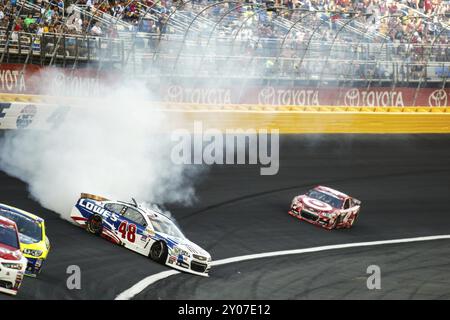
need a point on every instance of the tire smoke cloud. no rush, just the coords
(116, 148)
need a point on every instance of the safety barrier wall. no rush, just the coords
(44, 113)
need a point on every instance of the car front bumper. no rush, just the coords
(316, 219)
(190, 265)
(34, 266)
(10, 279)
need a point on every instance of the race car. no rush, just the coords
(12, 261)
(141, 229)
(326, 207)
(34, 242)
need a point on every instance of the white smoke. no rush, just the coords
(116, 148)
(158, 208)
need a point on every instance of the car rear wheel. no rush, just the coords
(158, 252)
(95, 225)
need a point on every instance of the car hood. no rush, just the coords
(196, 249)
(316, 205)
(184, 244)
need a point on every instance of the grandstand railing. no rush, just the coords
(294, 69)
(360, 63)
(63, 48)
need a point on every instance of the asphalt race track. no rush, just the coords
(403, 182)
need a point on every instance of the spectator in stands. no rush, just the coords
(28, 21)
(74, 23)
(18, 26)
(85, 26)
(427, 7)
(61, 6)
(96, 30)
(49, 13)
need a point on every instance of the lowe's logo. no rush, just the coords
(99, 210)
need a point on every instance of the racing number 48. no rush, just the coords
(128, 231)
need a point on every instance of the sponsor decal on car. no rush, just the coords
(99, 210)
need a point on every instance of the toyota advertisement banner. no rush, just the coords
(32, 79)
(312, 96)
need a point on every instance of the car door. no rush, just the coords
(113, 219)
(132, 230)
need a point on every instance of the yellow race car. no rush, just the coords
(33, 240)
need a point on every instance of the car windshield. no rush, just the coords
(167, 227)
(332, 201)
(26, 226)
(8, 236)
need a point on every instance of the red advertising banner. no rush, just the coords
(301, 96)
(32, 79)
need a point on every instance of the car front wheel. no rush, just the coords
(351, 223)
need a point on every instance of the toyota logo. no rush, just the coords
(267, 96)
(175, 94)
(438, 98)
(351, 98)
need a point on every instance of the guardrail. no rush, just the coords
(164, 105)
(286, 119)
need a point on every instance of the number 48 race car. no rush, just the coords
(141, 229)
(326, 207)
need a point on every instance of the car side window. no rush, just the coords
(347, 204)
(115, 207)
(134, 216)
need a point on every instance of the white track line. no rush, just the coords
(144, 283)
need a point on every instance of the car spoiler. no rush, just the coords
(93, 197)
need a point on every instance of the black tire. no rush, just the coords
(158, 252)
(95, 224)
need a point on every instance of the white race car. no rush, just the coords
(141, 229)
(12, 262)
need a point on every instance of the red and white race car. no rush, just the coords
(12, 262)
(326, 207)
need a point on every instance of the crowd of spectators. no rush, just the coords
(43, 18)
(52, 17)
(415, 21)
(404, 24)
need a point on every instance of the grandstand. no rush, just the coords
(373, 42)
